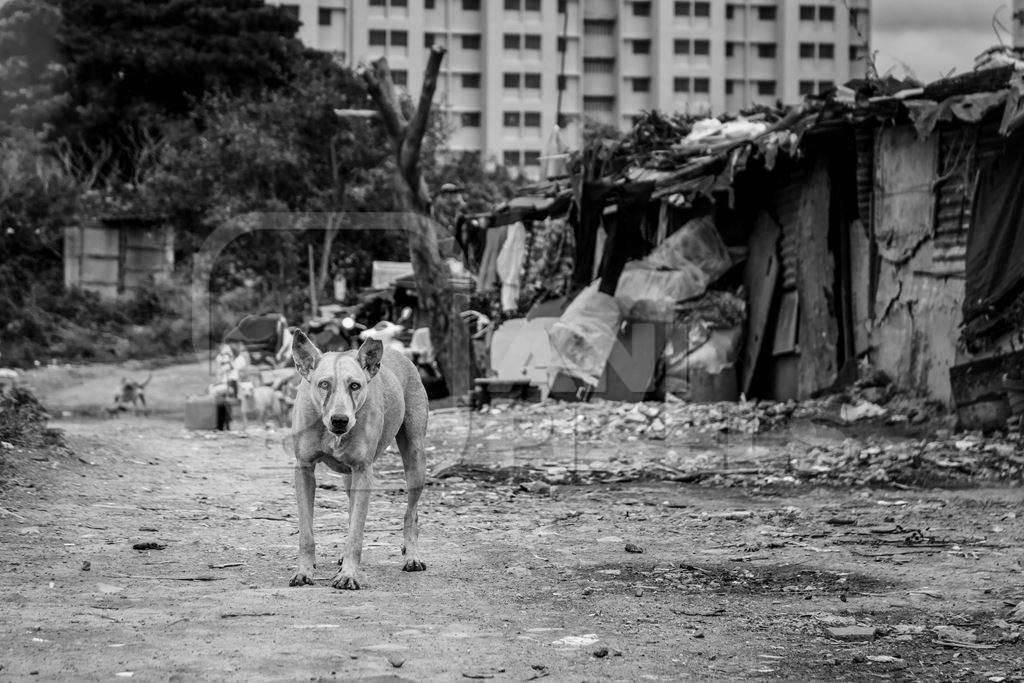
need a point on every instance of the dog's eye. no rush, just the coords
(354, 386)
(324, 384)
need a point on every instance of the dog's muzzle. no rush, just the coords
(339, 424)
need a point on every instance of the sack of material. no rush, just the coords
(583, 337)
(649, 294)
(697, 242)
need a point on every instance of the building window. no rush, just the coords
(561, 6)
(641, 47)
(766, 50)
(399, 3)
(428, 40)
(531, 41)
(730, 48)
(378, 37)
(512, 5)
(511, 80)
(291, 10)
(598, 104)
(510, 157)
(598, 65)
(510, 119)
(562, 44)
(682, 9)
(827, 13)
(807, 50)
(470, 80)
(642, 84)
(531, 80)
(701, 47)
(681, 84)
(598, 27)
(471, 6)
(471, 41)
(806, 88)
(730, 85)
(531, 119)
(730, 11)
(826, 51)
(511, 41)
(324, 16)
(641, 9)
(400, 77)
(399, 38)
(766, 87)
(531, 158)
(470, 119)
(824, 86)
(377, 3)
(766, 13)
(702, 9)
(806, 12)
(532, 5)
(681, 46)
(702, 85)
(428, 4)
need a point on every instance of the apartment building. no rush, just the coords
(613, 58)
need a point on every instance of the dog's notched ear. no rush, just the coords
(369, 356)
(304, 353)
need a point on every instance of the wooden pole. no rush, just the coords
(312, 282)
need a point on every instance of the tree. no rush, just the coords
(133, 64)
(30, 67)
(405, 127)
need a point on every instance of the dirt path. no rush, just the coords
(731, 584)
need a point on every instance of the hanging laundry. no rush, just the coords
(588, 231)
(509, 265)
(487, 276)
(550, 256)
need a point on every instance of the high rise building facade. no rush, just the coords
(613, 58)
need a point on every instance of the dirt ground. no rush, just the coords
(731, 583)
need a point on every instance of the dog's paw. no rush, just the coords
(345, 583)
(300, 579)
(414, 566)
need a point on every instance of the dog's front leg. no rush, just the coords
(359, 487)
(305, 489)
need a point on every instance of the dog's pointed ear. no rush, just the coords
(304, 353)
(369, 357)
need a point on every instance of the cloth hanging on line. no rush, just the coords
(487, 276)
(625, 239)
(509, 265)
(587, 229)
(995, 241)
(549, 259)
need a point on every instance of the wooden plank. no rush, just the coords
(819, 331)
(760, 277)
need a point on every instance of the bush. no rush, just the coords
(23, 419)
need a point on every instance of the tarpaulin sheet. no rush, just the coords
(995, 243)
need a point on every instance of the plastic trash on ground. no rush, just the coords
(583, 337)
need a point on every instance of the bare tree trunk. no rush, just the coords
(330, 233)
(433, 278)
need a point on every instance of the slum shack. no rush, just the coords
(870, 232)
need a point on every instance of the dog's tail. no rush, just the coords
(143, 385)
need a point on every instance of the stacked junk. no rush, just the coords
(786, 254)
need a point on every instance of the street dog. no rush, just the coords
(264, 402)
(348, 409)
(130, 394)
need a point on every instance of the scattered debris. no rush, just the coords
(852, 633)
(149, 545)
(633, 548)
(576, 641)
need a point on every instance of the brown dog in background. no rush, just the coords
(131, 395)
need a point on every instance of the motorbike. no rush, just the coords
(340, 332)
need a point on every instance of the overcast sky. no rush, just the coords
(931, 37)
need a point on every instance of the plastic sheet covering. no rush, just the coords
(583, 337)
(697, 242)
(653, 293)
